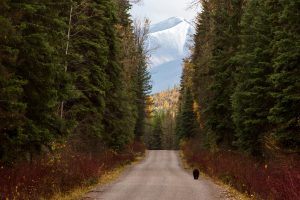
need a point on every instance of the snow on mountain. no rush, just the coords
(169, 39)
(166, 24)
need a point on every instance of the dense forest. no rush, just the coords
(242, 81)
(240, 90)
(70, 69)
(73, 76)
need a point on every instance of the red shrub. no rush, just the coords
(278, 180)
(61, 172)
(138, 147)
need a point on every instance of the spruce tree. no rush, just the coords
(201, 63)
(186, 123)
(251, 101)
(226, 18)
(142, 92)
(285, 77)
(134, 60)
(141, 76)
(40, 64)
(157, 132)
(130, 59)
(12, 108)
(117, 115)
(88, 55)
(188, 117)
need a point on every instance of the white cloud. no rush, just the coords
(158, 10)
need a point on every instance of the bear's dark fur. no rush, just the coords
(196, 174)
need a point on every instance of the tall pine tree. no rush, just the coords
(186, 117)
(40, 64)
(225, 18)
(12, 108)
(251, 102)
(285, 78)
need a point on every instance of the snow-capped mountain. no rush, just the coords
(170, 40)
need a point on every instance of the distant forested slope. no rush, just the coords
(166, 100)
(160, 126)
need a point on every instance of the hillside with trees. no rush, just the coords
(166, 100)
(73, 84)
(240, 96)
(161, 123)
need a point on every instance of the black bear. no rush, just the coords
(196, 174)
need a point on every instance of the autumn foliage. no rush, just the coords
(277, 179)
(60, 172)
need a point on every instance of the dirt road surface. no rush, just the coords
(159, 177)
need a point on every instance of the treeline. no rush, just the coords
(161, 121)
(71, 72)
(240, 88)
(160, 131)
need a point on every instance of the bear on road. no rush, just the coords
(196, 174)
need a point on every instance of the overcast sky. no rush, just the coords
(158, 10)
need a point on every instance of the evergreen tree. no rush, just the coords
(143, 89)
(117, 113)
(188, 117)
(285, 78)
(225, 17)
(186, 123)
(168, 137)
(102, 108)
(251, 101)
(201, 64)
(134, 68)
(86, 60)
(40, 64)
(134, 57)
(12, 107)
(141, 76)
(156, 142)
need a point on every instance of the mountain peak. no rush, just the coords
(174, 20)
(166, 24)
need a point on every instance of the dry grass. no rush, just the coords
(107, 178)
(80, 191)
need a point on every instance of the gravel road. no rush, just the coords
(159, 177)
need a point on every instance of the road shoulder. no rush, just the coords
(226, 191)
(111, 178)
